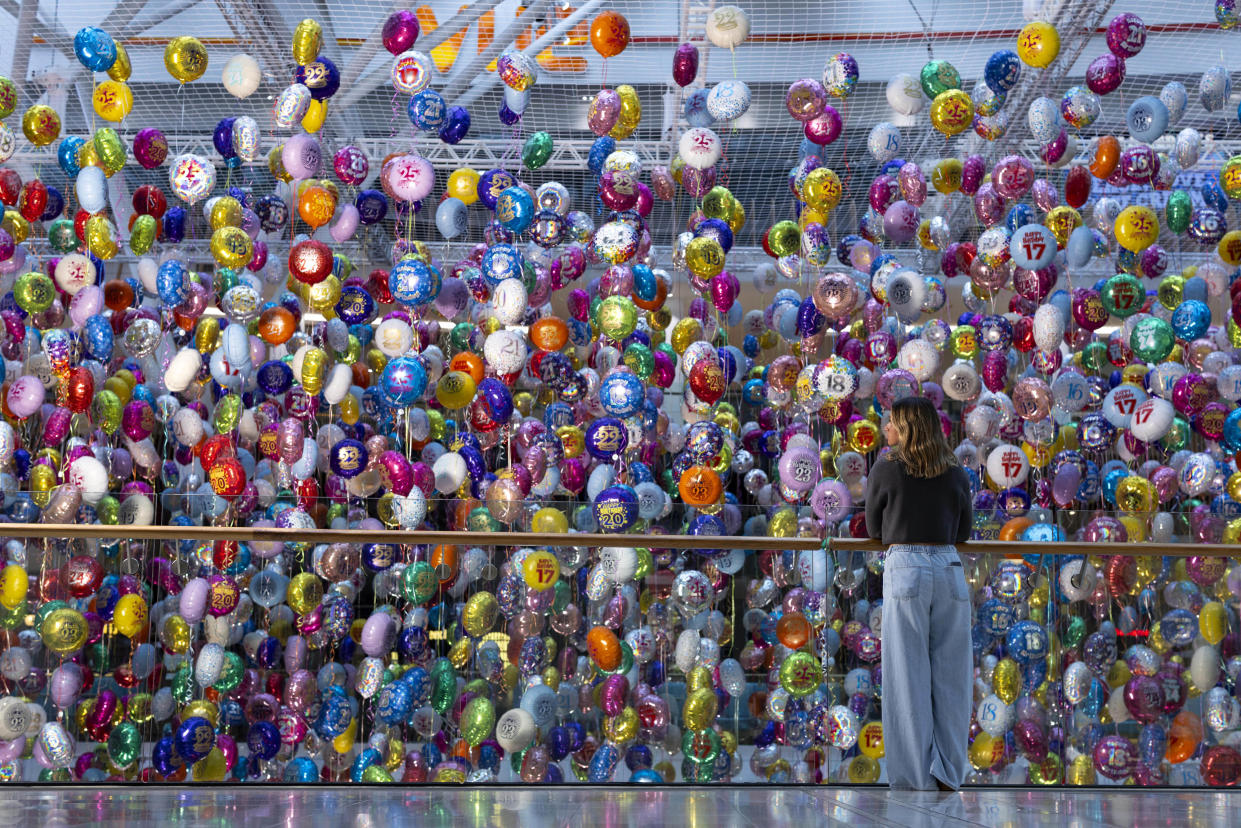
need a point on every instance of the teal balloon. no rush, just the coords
(1178, 212)
(537, 150)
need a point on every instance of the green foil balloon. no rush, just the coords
(1152, 339)
(124, 744)
(1123, 295)
(34, 292)
(231, 673)
(477, 720)
(61, 236)
(142, 235)
(1178, 212)
(537, 150)
(938, 76)
(418, 582)
(784, 238)
(443, 686)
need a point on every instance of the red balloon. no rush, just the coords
(1221, 766)
(10, 186)
(310, 261)
(149, 200)
(1077, 187)
(706, 379)
(33, 200)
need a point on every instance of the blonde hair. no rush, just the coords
(923, 450)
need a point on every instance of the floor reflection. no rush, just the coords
(573, 807)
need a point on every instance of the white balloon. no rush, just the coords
(919, 358)
(509, 300)
(339, 380)
(91, 188)
(1151, 418)
(904, 94)
(1007, 465)
(994, 715)
(505, 351)
(74, 272)
(884, 142)
(393, 337)
(700, 148)
(1121, 403)
(450, 471)
(728, 100)
(727, 26)
(241, 75)
(1048, 328)
(89, 475)
(182, 370)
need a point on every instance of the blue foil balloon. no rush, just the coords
(1191, 319)
(414, 282)
(515, 209)
(222, 138)
(95, 48)
(1002, 71)
(194, 738)
(603, 146)
(55, 205)
(372, 206)
(403, 381)
(321, 77)
(67, 155)
(621, 395)
(263, 740)
(174, 225)
(615, 509)
(456, 125)
(427, 110)
(497, 399)
(500, 262)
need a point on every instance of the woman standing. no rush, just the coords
(918, 502)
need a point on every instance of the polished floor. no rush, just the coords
(574, 807)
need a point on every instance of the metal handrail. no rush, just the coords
(260, 534)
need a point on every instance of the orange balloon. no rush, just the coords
(316, 206)
(549, 333)
(446, 555)
(793, 630)
(604, 648)
(699, 486)
(1183, 737)
(276, 325)
(609, 33)
(1012, 530)
(118, 295)
(468, 363)
(1106, 157)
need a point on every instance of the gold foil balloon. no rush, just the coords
(1006, 680)
(863, 770)
(64, 631)
(1081, 771)
(101, 237)
(41, 125)
(185, 58)
(304, 593)
(307, 41)
(700, 709)
(480, 614)
(121, 69)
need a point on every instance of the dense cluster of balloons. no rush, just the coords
(518, 383)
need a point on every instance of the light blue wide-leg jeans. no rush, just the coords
(928, 666)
